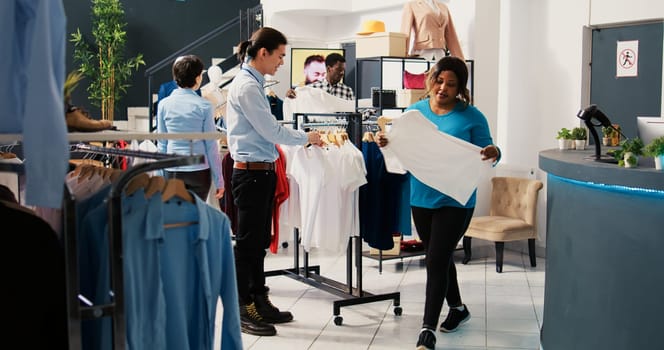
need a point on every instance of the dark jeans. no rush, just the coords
(440, 230)
(197, 181)
(253, 193)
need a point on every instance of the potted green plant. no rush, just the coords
(579, 135)
(103, 61)
(564, 138)
(655, 149)
(607, 134)
(628, 153)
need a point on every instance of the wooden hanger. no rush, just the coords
(156, 184)
(115, 175)
(383, 121)
(86, 172)
(339, 138)
(368, 137)
(331, 139)
(139, 181)
(176, 187)
(7, 155)
(324, 137)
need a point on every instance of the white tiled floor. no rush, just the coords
(506, 308)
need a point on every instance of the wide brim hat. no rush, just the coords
(371, 26)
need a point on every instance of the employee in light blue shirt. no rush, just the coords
(184, 111)
(253, 133)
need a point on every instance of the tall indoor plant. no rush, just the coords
(103, 61)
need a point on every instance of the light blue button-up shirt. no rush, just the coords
(184, 111)
(253, 131)
(32, 63)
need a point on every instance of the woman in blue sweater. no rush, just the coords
(440, 220)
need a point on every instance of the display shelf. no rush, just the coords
(381, 72)
(402, 255)
(380, 257)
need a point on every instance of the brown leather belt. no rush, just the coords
(254, 165)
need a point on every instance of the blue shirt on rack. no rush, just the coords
(173, 277)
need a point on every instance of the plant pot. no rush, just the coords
(562, 144)
(606, 141)
(658, 161)
(580, 144)
(631, 160)
(569, 144)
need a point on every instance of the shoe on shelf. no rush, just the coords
(78, 120)
(426, 340)
(454, 319)
(269, 312)
(252, 323)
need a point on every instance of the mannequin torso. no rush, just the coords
(429, 29)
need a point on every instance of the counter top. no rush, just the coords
(577, 165)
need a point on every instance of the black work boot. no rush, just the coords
(269, 312)
(252, 323)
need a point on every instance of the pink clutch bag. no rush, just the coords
(414, 81)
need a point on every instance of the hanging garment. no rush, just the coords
(178, 261)
(327, 181)
(383, 208)
(33, 64)
(276, 106)
(313, 100)
(33, 272)
(227, 204)
(280, 196)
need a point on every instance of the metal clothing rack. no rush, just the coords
(311, 274)
(114, 309)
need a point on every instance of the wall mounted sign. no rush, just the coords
(627, 58)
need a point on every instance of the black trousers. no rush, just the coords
(440, 230)
(253, 193)
(197, 181)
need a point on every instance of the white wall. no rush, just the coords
(618, 11)
(528, 60)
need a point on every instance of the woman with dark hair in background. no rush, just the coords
(440, 220)
(253, 133)
(185, 111)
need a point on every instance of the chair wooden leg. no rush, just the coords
(531, 252)
(466, 250)
(499, 256)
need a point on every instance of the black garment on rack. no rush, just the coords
(380, 201)
(276, 106)
(34, 290)
(227, 203)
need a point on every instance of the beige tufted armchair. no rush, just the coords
(511, 217)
